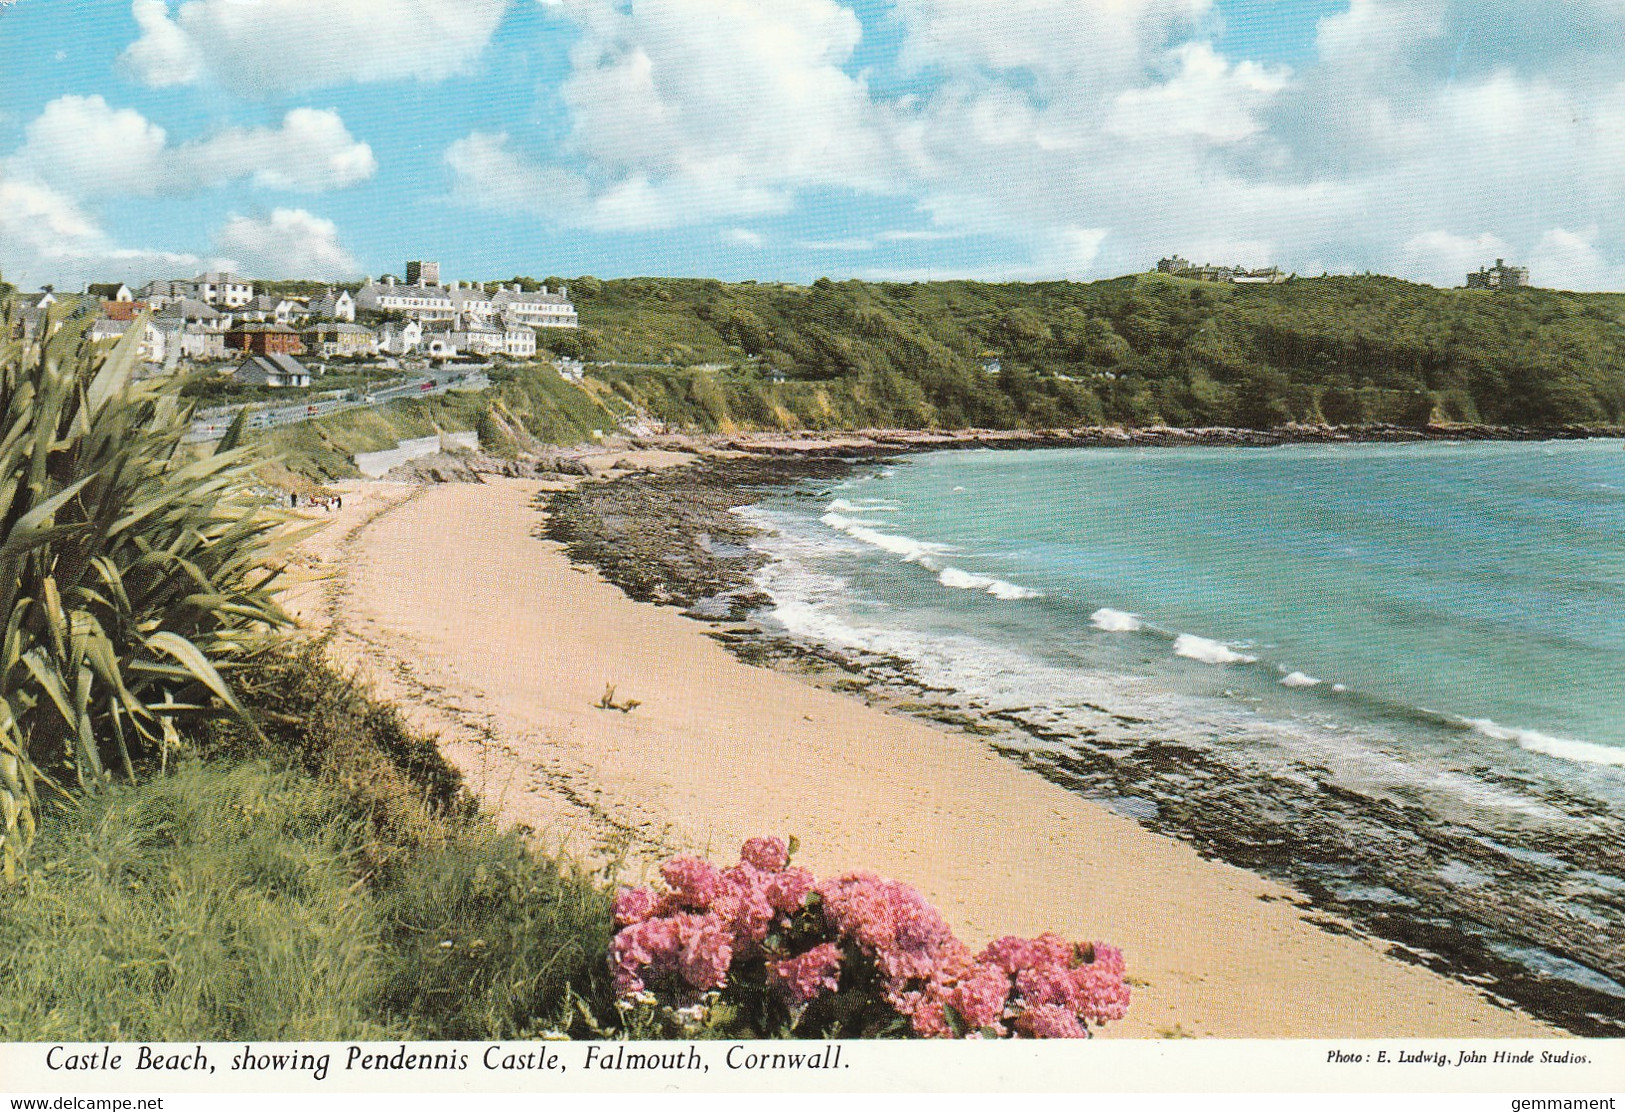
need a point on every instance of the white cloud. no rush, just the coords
(46, 237)
(1071, 47)
(1443, 259)
(1568, 260)
(266, 47)
(1208, 98)
(290, 243)
(487, 173)
(1088, 137)
(688, 111)
(87, 148)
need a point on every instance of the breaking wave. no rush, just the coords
(1192, 647)
(1586, 752)
(970, 581)
(1115, 621)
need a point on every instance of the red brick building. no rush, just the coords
(264, 338)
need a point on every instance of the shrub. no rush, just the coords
(132, 574)
(762, 949)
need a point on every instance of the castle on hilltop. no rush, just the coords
(1181, 267)
(1498, 277)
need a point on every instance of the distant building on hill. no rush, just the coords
(422, 274)
(1498, 277)
(1181, 267)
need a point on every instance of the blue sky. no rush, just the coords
(872, 138)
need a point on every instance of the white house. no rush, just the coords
(195, 341)
(166, 292)
(271, 370)
(470, 300)
(423, 303)
(33, 309)
(399, 338)
(222, 288)
(110, 291)
(153, 341)
(477, 338)
(193, 330)
(264, 307)
(441, 345)
(539, 310)
(518, 341)
(334, 305)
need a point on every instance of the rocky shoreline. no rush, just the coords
(670, 537)
(910, 440)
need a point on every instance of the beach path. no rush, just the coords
(449, 603)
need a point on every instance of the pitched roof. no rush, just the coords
(165, 287)
(264, 366)
(262, 326)
(189, 309)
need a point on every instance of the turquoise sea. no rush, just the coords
(1391, 674)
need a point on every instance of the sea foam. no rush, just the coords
(970, 581)
(1583, 751)
(1193, 647)
(907, 547)
(1299, 679)
(1114, 621)
(869, 506)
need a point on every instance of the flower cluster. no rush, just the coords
(762, 930)
(685, 939)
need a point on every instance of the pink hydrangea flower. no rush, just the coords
(694, 948)
(634, 905)
(787, 891)
(979, 995)
(807, 976)
(742, 902)
(1050, 1021)
(1102, 993)
(891, 923)
(693, 882)
(705, 953)
(684, 943)
(767, 854)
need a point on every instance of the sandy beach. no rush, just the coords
(447, 601)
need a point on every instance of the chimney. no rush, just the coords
(389, 280)
(544, 289)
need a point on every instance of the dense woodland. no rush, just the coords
(1139, 350)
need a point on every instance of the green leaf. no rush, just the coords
(190, 658)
